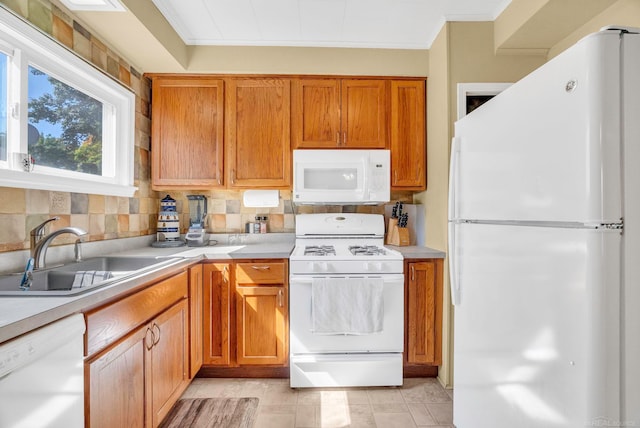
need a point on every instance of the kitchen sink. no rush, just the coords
(112, 264)
(58, 281)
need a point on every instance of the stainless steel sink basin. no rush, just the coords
(112, 264)
(58, 281)
(45, 280)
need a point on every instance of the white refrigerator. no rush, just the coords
(544, 250)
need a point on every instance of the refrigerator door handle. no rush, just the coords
(454, 280)
(453, 172)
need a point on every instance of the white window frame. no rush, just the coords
(26, 46)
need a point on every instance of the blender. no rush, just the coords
(196, 235)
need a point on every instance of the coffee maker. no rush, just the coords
(196, 236)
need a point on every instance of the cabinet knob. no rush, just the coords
(413, 273)
(261, 267)
(281, 297)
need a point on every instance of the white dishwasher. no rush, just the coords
(42, 377)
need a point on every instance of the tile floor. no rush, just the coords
(419, 402)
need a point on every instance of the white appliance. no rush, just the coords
(341, 176)
(544, 272)
(41, 377)
(344, 253)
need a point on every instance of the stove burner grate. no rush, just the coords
(319, 250)
(366, 250)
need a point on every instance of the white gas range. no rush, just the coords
(346, 303)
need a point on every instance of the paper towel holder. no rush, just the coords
(261, 198)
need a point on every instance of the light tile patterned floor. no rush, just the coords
(419, 402)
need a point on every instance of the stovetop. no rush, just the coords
(316, 256)
(342, 243)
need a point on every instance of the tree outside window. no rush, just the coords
(65, 125)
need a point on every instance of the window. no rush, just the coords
(64, 125)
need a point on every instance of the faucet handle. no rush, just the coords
(38, 231)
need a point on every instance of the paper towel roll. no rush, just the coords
(261, 198)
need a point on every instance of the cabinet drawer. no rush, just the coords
(260, 273)
(107, 324)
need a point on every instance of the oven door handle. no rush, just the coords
(308, 279)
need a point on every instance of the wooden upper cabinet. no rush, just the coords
(363, 118)
(339, 113)
(258, 133)
(315, 115)
(408, 137)
(187, 132)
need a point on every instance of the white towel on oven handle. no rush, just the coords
(347, 305)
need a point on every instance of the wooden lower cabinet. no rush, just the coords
(261, 325)
(246, 318)
(134, 380)
(116, 384)
(196, 323)
(168, 363)
(423, 313)
(216, 314)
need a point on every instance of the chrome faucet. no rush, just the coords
(40, 242)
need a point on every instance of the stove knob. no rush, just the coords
(323, 266)
(379, 266)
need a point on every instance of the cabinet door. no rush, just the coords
(115, 384)
(261, 323)
(315, 115)
(187, 133)
(196, 305)
(408, 138)
(169, 360)
(363, 118)
(216, 314)
(258, 133)
(423, 300)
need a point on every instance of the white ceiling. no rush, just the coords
(399, 24)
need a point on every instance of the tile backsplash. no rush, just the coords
(227, 214)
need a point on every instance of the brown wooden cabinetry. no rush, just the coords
(261, 313)
(115, 384)
(246, 317)
(187, 132)
(196, 322)
(407, 143)
(345, 113)
(216, 314)
(423, 312)
(168, 367)
(258, 133)
(137, 363)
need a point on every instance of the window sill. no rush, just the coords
(32, 180)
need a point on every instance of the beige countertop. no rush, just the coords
(19, 315)
(416, 252)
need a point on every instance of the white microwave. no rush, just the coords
(341, 177)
